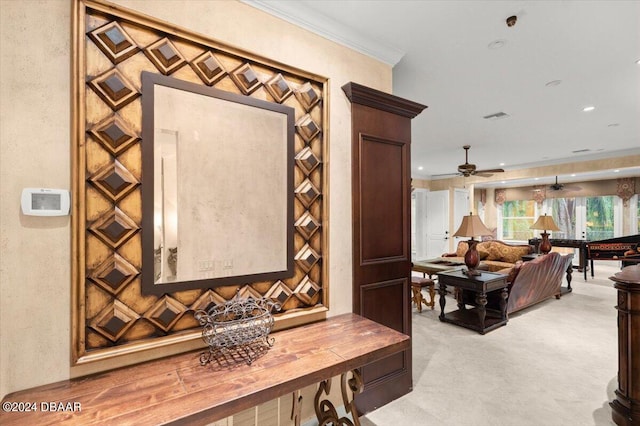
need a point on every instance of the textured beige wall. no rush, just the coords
(35, 255)
(35, 101)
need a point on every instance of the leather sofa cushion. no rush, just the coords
(513, 273)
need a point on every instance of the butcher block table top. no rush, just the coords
(179, 389)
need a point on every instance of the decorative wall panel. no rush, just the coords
(113, 46)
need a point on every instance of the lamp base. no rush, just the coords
(472, 259)
(472, 272)
(545, 244)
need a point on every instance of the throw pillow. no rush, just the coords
(483, 252)
(462, 248)
(494, 252)
(514, 254)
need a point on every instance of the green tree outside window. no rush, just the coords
(517, 218)
(600, 217)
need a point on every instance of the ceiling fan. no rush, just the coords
(468, 169)
(560, 186)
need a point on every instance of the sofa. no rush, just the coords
(495, 255)
(529, 282)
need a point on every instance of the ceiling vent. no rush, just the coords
(580, 151)
(496, 116)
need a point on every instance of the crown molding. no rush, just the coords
(373, 98)
(299, 14)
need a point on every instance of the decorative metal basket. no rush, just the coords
(236, 329)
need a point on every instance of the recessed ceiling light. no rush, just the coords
(616, 171)
(503, 181)
(638, 62)
(496, 44)
(588, 108)
(502, 164)
(553, 83)
(420, 168)
(536, 178)
(573, 175)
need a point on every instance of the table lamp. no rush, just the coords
(545, 223)
(472, 226)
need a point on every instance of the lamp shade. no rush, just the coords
(545, 223)
(472, 226)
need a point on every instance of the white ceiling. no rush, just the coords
(441, 57)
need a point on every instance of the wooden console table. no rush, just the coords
(178, 389)
(581, 245)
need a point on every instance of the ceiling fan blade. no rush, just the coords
(572, 188)
(489, 171)
(483, 174)
(447, 174)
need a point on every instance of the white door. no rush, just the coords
(419, 224)
(437, 223)
(461, 208)
(581, 218)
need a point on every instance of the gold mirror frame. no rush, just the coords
(111, 315)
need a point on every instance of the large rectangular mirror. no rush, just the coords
(217, 203)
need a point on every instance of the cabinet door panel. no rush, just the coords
(381, 207)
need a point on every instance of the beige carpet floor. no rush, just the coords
(552, 364)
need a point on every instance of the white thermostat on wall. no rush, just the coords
(45, 202)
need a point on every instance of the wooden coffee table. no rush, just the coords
(433, 266)
(477, 318)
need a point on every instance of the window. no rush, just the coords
(591, 218)
(600, 218)
(634, 215)
(517, 218)
(563, 211)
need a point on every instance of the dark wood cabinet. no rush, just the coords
(626, 406)
(381, 207)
